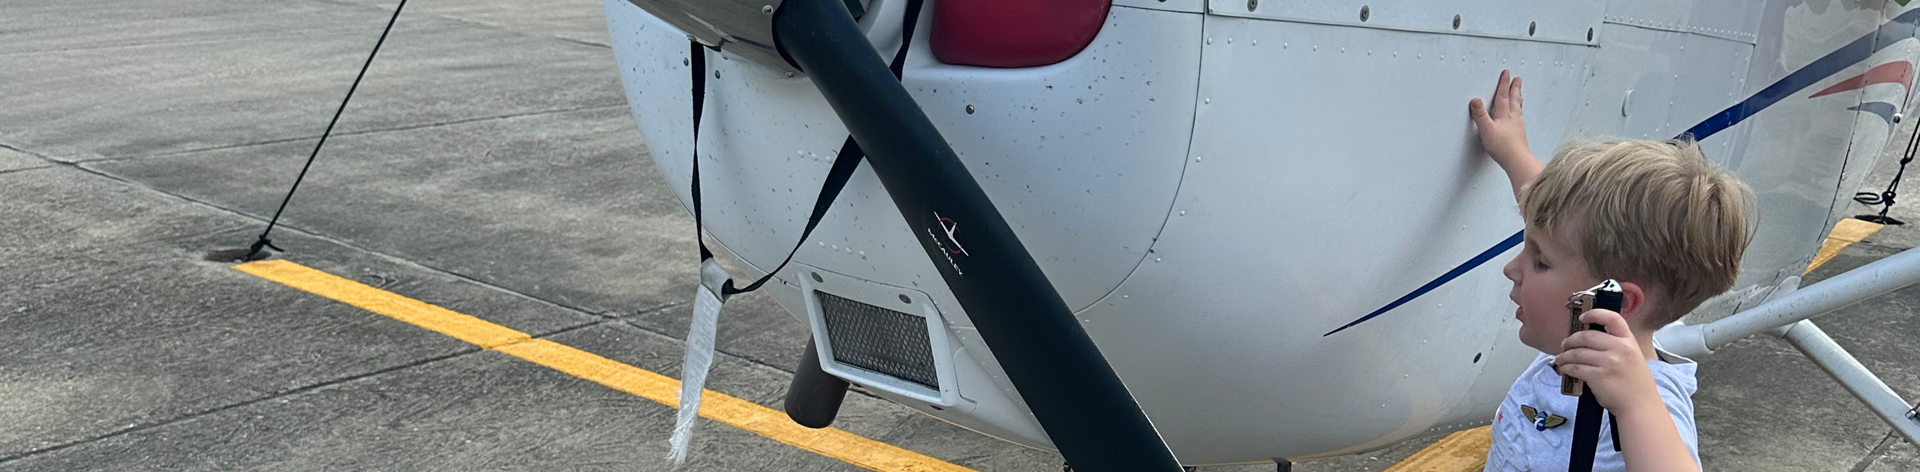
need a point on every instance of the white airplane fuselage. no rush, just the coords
(1275, 221)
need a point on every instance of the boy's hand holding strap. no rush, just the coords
(1586, 421)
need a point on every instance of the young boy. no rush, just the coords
(1655, 216)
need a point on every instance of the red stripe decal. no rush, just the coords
(1898, 72)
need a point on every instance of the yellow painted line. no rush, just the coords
(1849, 231)
(1460, 451)
(750, 416)
(422, 314)
(742, 414)
(1467, 450)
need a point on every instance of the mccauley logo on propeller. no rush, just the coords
(947, 239)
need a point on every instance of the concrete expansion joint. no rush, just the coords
(1879, 451)
(411, 127)
(508, 340)
(18, 149)
(473, 23)
(24, 169)
(268, 397)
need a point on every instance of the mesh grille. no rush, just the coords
(878, 339)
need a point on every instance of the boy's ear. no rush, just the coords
(1633, 297)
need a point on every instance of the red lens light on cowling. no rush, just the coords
(1014, 33)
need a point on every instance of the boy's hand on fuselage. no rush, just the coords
(1611, 364)
(1503, 132)
(1502, 128)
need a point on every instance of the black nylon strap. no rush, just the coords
(1586, 433)
(843, 164)
(1586, 420)
(698, 64)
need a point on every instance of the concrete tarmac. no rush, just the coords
(488, 164)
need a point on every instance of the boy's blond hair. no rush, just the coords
(1655, 212)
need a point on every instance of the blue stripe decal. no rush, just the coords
(1901, 27)
(1484, 256)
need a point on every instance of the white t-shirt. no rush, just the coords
(1521, 443)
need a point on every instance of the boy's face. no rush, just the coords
(1548, 270)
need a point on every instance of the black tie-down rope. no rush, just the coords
(1885, 198)
(263, 242)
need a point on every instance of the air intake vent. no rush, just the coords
(880, 340)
